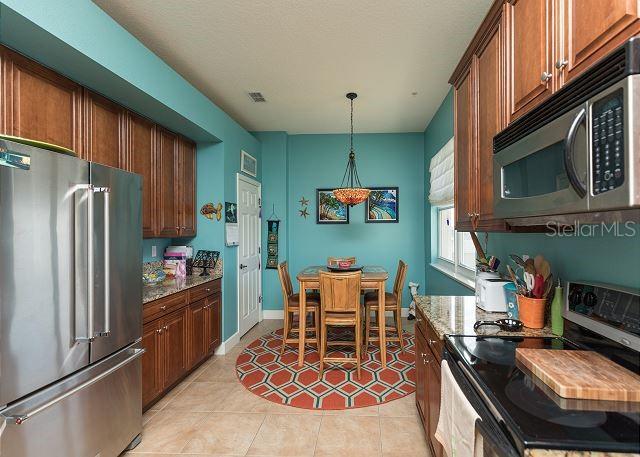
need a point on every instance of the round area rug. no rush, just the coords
(263, 371)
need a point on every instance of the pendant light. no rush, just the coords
(351, 191)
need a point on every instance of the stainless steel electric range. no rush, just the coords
(519, 412)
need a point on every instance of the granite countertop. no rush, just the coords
(455, 315)
(172, 286)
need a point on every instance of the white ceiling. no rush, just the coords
(305, 55)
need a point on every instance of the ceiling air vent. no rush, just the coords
(257, 97)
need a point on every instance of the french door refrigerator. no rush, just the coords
(70, 305)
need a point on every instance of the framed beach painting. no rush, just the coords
(329, 210)
(382, 205)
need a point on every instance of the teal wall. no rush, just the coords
(316, 161)
(76, 38)
(436, 135)
(274, 191)
(604, 258)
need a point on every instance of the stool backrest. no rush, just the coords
(285, 281)
(398, 285)
(340, 292)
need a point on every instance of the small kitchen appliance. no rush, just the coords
(577, 151)
(490, 294)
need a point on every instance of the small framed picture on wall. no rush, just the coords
(248, 164)
(382, 205)
(329, 210)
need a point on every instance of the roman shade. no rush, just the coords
(441, 180)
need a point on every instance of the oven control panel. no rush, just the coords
(607, 143)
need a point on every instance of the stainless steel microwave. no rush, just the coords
(584, 160)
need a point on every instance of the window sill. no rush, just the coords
(450, 271)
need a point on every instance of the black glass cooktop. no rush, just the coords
(534, 415)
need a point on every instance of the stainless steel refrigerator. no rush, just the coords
(70, 305)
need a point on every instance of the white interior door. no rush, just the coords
(249, 280)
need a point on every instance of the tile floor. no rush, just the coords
(211, 414)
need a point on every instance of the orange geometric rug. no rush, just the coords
(263, 371)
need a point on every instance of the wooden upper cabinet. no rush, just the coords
(531, 72)
(489, 63)
(168, 188)
(105, 131)
(187, 184)
(142, 160)
(464, 179)
(592, 29)
(40, 104)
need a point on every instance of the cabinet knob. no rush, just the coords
(184, 228)
(163, 307)
(561, 63)
(208, 290)
(546, 76)
(431, 342)
(166, 327)
(159, 330)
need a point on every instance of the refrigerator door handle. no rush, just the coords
(22, 418)
(89, 188)
(106, 191)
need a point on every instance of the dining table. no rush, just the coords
(373, 278)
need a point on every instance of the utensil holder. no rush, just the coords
(531, 311)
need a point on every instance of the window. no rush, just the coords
(456, 254)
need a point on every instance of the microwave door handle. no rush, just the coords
(569, 145)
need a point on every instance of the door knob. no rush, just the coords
(242, 266)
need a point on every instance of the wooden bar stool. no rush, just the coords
(340, 307)
(393, 302)
(292, 306)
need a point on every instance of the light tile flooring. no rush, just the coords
(211, 413)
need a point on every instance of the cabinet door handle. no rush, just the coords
(546, 76)
(561, 63)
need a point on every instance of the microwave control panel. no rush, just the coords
(607, 141)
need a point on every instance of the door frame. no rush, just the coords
(248, 180)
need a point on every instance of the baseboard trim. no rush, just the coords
(228, 344)
(279, 314)
(272, 314)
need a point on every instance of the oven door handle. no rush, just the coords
(569, 144)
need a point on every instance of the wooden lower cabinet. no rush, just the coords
(175, 346)
(151, 363)
(213, 322)
(428, 383)
(177, 342)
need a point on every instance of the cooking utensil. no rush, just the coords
(479, 251)
(538, 286)
(507, 325)
(529, 266)
(517, 259)
(542, 266)
(537, 262)
(521, 288)
(548, 284)
(529, 282)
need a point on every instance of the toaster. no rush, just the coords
(490, 295)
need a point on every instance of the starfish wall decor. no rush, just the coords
(303, 212)
(303, 201)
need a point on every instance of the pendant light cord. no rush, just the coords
(351, 173)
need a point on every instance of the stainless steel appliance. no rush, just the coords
(70, 305)
(578, 152)
(519, 412)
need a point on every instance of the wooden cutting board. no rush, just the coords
(581, 374)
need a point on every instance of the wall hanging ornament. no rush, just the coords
(208, 211)
(303, 201)
(230, 212)
(273, 224)
(303, 212)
